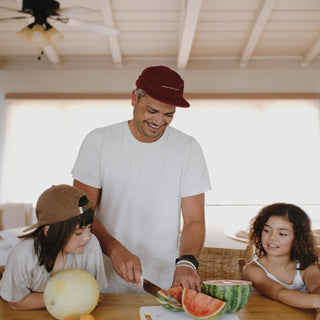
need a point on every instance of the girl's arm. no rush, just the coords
(311, 278)
(276, 291)
(32, 301)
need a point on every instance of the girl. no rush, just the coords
(285, 267)
(62, 240)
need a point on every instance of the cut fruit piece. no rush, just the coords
(201, 306)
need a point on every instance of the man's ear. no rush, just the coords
(134, 98)
(45, 230)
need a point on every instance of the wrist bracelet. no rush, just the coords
(186, 263)
(181, 264)
(190, 258)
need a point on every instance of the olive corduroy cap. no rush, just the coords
(58, 203)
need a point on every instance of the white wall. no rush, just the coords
(76, 77)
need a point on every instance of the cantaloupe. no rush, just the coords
(71, 293)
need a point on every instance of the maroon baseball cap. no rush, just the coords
(163, 84)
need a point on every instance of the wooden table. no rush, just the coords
(126, 307)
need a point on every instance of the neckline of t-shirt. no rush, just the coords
(146, 144)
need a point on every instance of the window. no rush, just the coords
(257, 151)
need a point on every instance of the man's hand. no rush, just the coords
(126, 264)
(187, 278)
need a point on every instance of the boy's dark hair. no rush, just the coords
(47, 247)
(303, 249)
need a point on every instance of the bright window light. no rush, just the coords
(257, 151)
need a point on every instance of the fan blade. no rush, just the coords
(23, 14)
(9, 9)
(87, 26)
(75, 11)
(14, 18)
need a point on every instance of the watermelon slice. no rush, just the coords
(167, 295)
(201, 306)
(236, 293)
(171, 299)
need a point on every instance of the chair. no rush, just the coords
(220, 263)
(15, 214)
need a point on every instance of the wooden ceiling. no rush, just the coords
(186, 32)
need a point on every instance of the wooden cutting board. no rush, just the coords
(160, 313)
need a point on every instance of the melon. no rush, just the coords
(201, 306)
(235, 293)
(171, 299)
(71, 293)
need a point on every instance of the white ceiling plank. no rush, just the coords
(311, 54)
(52, 55)
(19, 4)
(113, 39)
(256, 31)
(189, 27)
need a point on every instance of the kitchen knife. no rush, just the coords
(150, 287)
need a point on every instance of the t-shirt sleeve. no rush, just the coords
(87, 167)
(15, 283)
(196, 177)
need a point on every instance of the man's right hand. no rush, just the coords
(126, 264)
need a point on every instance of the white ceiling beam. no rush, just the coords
(311, 54)
(189, 27)
(19, 4)
(256, 31)
(52, 55)
(113, 39)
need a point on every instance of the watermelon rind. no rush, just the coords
(235, 293)
(201, 306)
(172, 305)
(163, 296)
(167, 301)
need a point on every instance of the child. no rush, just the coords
(285, 267)
(62, 240)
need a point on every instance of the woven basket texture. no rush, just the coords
(220, 263)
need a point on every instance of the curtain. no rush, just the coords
(257, 151)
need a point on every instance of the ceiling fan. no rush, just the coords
(40, 32)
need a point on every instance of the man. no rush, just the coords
(140, 175)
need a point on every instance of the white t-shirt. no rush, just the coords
(23, 274)
(142, 186)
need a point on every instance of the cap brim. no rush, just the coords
(32, 227)
(177, 102)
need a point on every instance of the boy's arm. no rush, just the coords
(32, 301)
(276, 291)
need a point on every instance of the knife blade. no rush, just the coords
(150, 287)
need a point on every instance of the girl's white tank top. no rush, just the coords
(297, 283)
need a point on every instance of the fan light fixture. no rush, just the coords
(40, 34)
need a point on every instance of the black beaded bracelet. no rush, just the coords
(190, 258)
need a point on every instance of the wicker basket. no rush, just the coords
(220, 263)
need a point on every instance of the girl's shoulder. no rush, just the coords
(312, 269)
(23, 252)
(23, 247)
(252, 267)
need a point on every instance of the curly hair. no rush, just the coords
(303, 248)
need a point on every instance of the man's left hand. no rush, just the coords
(187, 278)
